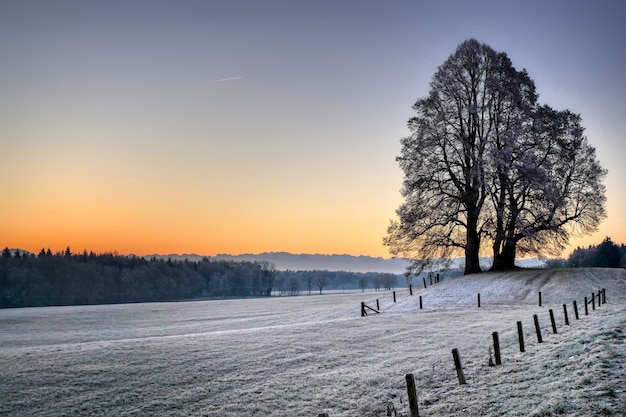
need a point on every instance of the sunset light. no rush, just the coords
(205, 128)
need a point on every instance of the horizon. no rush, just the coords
(242, 128)
(184, 254)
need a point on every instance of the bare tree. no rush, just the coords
(389, 281)
(268, 274)
(309, 282)
(362, 283)
(553, 188)
(321, 280)
(294, 285)
(377, 281)
(444, 161)
(486, 164)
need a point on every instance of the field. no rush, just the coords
(305, 355)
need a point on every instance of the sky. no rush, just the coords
(261, 126)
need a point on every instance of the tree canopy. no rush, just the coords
(486, 165)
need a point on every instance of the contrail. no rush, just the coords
(227, 79)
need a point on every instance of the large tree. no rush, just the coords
(443, 160)
(484, 163)
(552, 188)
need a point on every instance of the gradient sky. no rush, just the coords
(250, 126)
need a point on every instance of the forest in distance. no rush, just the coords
(66, 278)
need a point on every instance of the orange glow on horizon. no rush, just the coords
(146, 238)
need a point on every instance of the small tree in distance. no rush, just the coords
(321, 280)
(362, 283)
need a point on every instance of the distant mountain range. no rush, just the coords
(307, 262)
(302, 262)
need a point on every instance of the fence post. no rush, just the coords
(394, 296)
(478, 299)
(603, 295)
(565, 313)
(424, 279)
(576, 310)
(539, 298)
(410, 388)
(496, 348)
(586, 307)
(457, 365)
(410, 289)
(362, 309)
(377, 305)
(437, 278)
(431, 279)
(593, 300)
(599, 298)
(420, 302)
(520, 335)
(537, 329)
(552, 321)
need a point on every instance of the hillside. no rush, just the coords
(521, 287)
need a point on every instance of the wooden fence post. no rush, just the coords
(410, 289)
(377, 305)
(552, 321)
(420, 302)
(520, 335)
(603, 295)
(539, 298)
(431, 279)
(478, 299)
(457, 365)
(410, 388)
(437, 278)
(362, 309)
(599, 298)
(576, 310)
(565, 313)
(537, 329)
(496, 348)
(424, 279)
(586, 307)
(593, 300)
(394, 296)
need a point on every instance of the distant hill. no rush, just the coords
(300, 262)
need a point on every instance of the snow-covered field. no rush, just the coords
(301, 356)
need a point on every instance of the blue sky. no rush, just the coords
(250, 126)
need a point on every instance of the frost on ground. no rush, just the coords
(301, 356)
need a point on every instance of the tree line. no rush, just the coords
(66, 278)
(315, 281)
(605, 255)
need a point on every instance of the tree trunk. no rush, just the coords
(505, 259)
(472, 247)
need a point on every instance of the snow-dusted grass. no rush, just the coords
(300, 356)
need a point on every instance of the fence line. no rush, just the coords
(396, 294)
(410, 380)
